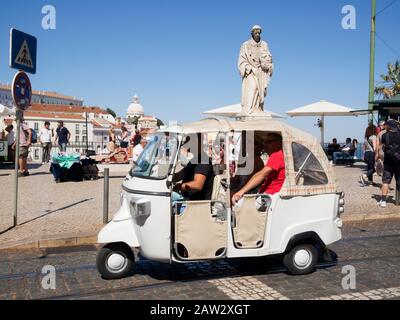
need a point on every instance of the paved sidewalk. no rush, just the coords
(49, 211)
(363, 200)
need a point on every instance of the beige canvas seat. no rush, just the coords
(250, 225)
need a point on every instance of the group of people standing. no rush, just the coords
(46, 137)
(382, 155)
(122, 142)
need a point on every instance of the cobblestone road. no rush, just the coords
(372, 248)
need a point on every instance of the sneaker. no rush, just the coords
(26, 174)
(382, 204)
(21, 174)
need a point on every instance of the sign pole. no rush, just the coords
(372, 62)
(23, 51)
(15, 216)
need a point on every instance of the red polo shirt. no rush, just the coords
(274, 182)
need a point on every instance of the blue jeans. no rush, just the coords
(63, 147)
(337, 155)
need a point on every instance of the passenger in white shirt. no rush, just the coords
(45, 137)
(139, 149)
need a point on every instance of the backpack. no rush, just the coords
(392, 150)
(34, 136)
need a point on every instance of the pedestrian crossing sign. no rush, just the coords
(23, 49)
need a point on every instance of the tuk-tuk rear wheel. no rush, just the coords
(301, 259)
(115, 261)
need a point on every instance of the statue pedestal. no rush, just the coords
(255, 116)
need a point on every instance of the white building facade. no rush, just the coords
(39, 97)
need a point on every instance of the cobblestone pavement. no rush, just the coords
(372, 248)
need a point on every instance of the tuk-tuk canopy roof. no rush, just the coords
(225, 125)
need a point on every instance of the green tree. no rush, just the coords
(112, 112)
(159, 123)
(133, 120)
(390, 84)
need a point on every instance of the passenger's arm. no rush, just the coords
(255, 181)
(196, 185)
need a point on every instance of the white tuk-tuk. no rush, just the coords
(299, 222)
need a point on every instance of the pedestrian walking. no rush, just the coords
(391, 164)
(45, 137)
(111, 141)
(62, 136)
(124, 138)
(370, 146)
(379, 154)
(136, 138)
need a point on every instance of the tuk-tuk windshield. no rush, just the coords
(157, 157)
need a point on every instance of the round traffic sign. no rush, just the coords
(22, 91)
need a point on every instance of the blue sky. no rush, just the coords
(180, 56)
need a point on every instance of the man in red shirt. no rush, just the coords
(273, 174)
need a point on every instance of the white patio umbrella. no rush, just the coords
(321, 109)
(234, 110)
(5, 112)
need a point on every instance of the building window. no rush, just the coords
(77, 139)
(77, 129)
(36, 126)
(83, 138)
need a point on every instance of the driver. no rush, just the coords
(272, 175)
(198, 174)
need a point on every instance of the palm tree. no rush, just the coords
(390, 86)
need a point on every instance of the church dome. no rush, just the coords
(135, 108)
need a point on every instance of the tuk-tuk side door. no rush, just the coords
(200, 230)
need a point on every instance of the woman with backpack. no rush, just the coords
(370, 145)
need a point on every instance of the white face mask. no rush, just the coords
(185, 159)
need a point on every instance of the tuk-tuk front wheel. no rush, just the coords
(115, 261)
(301, 259)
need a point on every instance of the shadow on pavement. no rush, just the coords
(54, 211)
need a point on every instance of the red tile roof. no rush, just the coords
(31, 114)
(35, 107)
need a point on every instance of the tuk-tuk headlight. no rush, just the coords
(140, 208)
(341, 202)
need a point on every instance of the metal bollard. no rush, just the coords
(106, 194)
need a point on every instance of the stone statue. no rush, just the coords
(256, 68)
